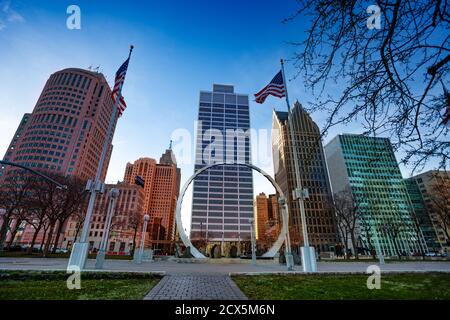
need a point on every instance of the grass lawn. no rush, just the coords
(429, 286)
(33, 285)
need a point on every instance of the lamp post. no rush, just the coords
(113, 196)
(253, 240)
(140, 252)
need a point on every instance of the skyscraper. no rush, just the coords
(67, 128)
(161, 190)
(434, 187)
(222, 196)
(268, 220)
(320, 217)
(367, 166)
(422, 216)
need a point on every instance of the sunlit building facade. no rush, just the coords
(367, 166)
(222, 196)
(320, 219)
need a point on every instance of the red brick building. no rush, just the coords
(161, 190)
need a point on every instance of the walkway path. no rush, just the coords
(171, 267)
(195, 287)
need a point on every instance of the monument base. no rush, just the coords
(308, 259)
(78, 255)
(290, 261)
(100, 259)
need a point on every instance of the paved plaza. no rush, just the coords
(217, 268)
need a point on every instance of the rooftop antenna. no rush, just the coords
(170, 145)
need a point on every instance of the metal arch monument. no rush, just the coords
(284, 234)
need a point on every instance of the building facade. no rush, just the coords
(161, 191)
(66, 130)
(320, 218)
(434, 186)
(268, 220)
(126, 226)
(222, 196)
(367, 166)
(422, 216)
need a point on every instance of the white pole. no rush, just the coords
(308, 261)
(113, 195)
(144, 231)
(251, 220)
(79, 253)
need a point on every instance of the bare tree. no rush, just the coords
(387, 78)
(347, 215)
(393, 228)
(59, 205)
(366, 227)
(440, 197)
(134, 222)
(14, 200)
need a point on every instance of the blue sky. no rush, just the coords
(181, 47)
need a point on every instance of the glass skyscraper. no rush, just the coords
(222, 196)
(422, 216)
(368, 167)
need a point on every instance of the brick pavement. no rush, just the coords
(195, 287)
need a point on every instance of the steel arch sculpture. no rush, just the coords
(282, 200)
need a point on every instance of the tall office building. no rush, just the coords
(161, 190)
(222, 196)
(67, 128)
(434, 186)
(422, 215)
(268, 220)
(367, 166)
(320, 219)
(13, 145)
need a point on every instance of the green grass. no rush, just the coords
(43, 285)
(430, 286)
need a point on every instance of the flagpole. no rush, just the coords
(308, 260)
(80, 249)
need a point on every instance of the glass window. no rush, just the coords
(242, 100)
(205, 96)
(218, 98)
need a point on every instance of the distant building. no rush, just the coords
(367, 166)
(124, 228)
(13, 145)
(422, 216)
(161, 191)
(268, 220)
(434, 187)
(320, 217)
(66, 130)
(223, 196)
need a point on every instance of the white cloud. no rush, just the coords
(8, 14)
(15, 17)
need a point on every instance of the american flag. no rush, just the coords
(276, 88)
(118, 83)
